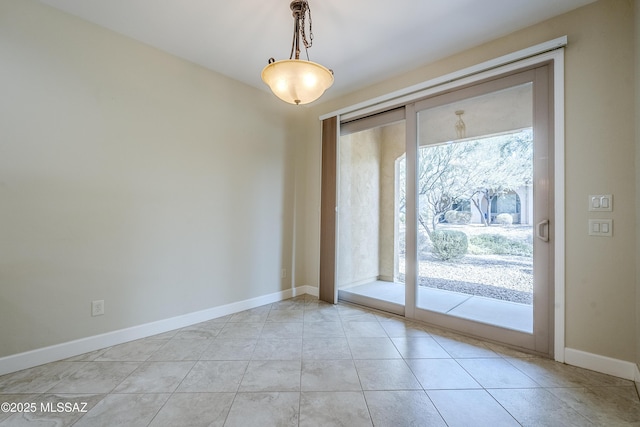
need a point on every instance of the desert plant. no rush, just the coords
(449, 244)
(504, 219)
(457, 217)
(496, 244)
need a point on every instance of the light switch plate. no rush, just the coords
(601, 202)
(601, 227)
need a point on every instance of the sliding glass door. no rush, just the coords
(482, 203)
(444, 210)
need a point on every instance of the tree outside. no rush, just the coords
(458, 181)
(472, 173)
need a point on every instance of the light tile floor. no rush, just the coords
(301, 362)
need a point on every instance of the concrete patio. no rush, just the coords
(390, 296)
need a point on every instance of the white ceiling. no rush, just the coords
(362, 41)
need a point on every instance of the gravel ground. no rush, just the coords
(508, 278)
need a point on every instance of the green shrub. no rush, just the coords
(504, 219)
(495, 244)
(449, 244)
(457, 217)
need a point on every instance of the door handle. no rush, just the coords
(540, 230)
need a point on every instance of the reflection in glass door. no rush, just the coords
(370, 217)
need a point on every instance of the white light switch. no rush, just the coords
(601, 203)
(601, 227)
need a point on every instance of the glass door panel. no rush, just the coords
(475, 231)
(477, 205)
(371, 218)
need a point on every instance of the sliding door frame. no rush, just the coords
(539, 339)
(550, 52)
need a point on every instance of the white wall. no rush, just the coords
(131, 176)
(601, 283)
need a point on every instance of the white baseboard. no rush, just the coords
(40, 356)
(606, 365)
(309, 290)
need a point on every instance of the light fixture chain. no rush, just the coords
(306, 8)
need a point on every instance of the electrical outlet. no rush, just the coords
(97, 307)
(283, 273)
(601, 227)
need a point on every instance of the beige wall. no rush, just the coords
(600, 153)
(130, 176)
(134, 177)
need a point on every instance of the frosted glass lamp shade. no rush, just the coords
(297, 81)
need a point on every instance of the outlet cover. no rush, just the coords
(601, 203)
(601, 227)
(97, 307)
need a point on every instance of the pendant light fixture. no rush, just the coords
(295, 80)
